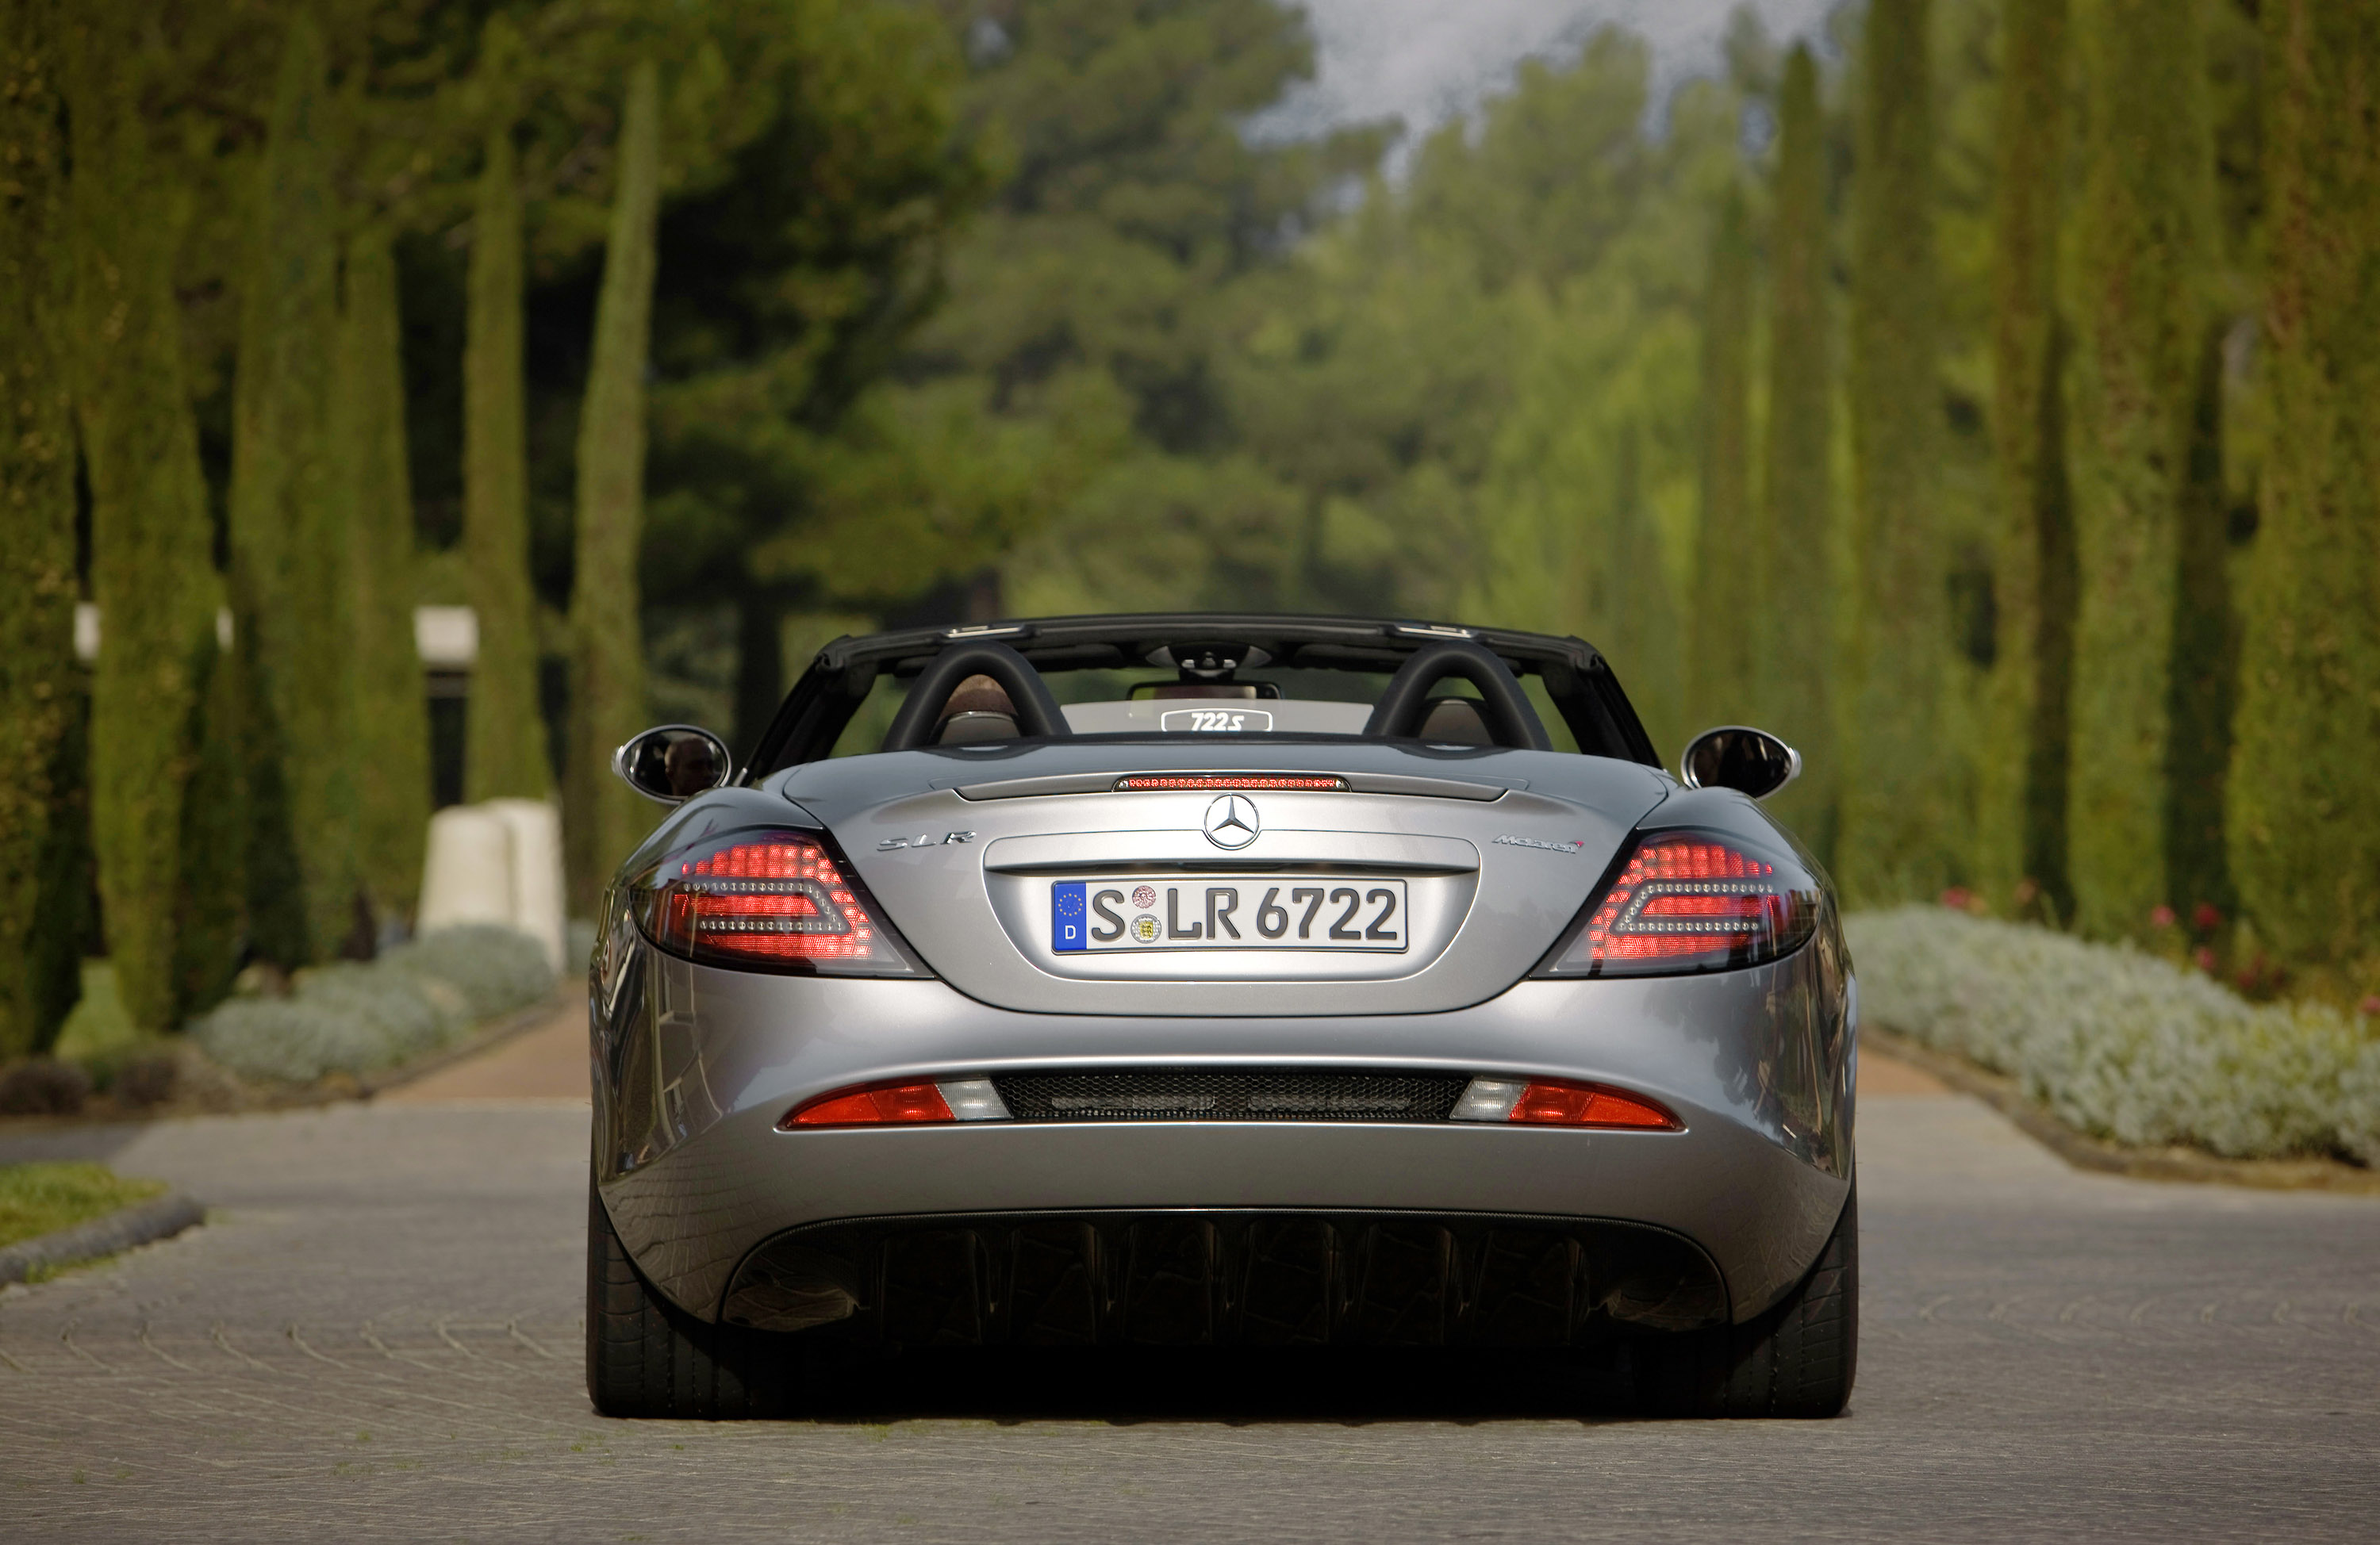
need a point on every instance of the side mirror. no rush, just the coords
(1749, 761)
(673, 762)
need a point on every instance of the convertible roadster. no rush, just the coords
(1247, 980)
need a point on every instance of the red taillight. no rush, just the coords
(903, 1105)
(1689, 901)
(767, 898)
(1586, 1104)
(1562, 1102)
(1245, 783)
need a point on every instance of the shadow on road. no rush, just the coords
(1129, 1386)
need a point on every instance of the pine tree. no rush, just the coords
(503, 737)
(607, 684)
(2142, 248)
(148, 514)
(392, 715)
(1723, 623)
(1796, 649)
(290, 522)
(2023, 768)
(2303, 802)
(37, 502)
(1894, 841)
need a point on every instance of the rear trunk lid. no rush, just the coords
(1404, 883)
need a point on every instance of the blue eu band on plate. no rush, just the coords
(1273, 911)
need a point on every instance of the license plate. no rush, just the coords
(1223, 912)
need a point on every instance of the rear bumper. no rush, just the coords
(695, 1066)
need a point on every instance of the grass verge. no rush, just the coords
(37, 1198)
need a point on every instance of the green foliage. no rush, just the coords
(2122, 1045)
(2022, 773)
(504, 754)
(608, 681)
(2141, 245)
(38, 688)
(149, 519)
(1796, 532)
(1896, 833)
(391, 722)
(2304, 804)
(1730, 590)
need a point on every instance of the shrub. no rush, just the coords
(2119, 1044)
(496, 969)
(359, 1019)
(42, 1086)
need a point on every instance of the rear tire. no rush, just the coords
(1798, 1359)
(648, 1357)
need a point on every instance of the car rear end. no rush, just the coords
(1447, 1125)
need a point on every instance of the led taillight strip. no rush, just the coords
(1240, 783)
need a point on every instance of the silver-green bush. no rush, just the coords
(2122, 1045)
(359, 1019)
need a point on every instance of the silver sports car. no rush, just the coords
(1209, 980)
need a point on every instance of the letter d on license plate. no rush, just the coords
(1067, 929)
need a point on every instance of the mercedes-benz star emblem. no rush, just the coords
(1232, 821)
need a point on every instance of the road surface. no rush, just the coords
(377, 1338)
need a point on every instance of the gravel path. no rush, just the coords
(377, 1338)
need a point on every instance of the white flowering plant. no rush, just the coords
(2119, 1044)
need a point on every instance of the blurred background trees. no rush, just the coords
(1977, 391)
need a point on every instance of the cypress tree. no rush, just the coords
(289, 521)
(37, 501)
(2022, 818)
(608, 685)
(2142, 243)
(1643, 607)
(1723, 622)
(503, 735)
(149, 530)
(2303, 802)
(1894, 842)
(210, 916)
(2203, 682)
(1797, 642)
(391, 713)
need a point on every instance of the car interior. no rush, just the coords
(1444, 688)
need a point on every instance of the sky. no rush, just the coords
(1426, 61)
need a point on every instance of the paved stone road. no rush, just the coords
(378, 1338)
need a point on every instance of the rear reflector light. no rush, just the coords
(1560, 1103)
(900, 1104)
(777, 899)
(1247, 783)
(1690, 901)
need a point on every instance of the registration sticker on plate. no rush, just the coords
(1226, 912)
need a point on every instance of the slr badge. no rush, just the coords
(1232, 821)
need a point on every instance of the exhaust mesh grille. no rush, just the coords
(1230, 1095)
